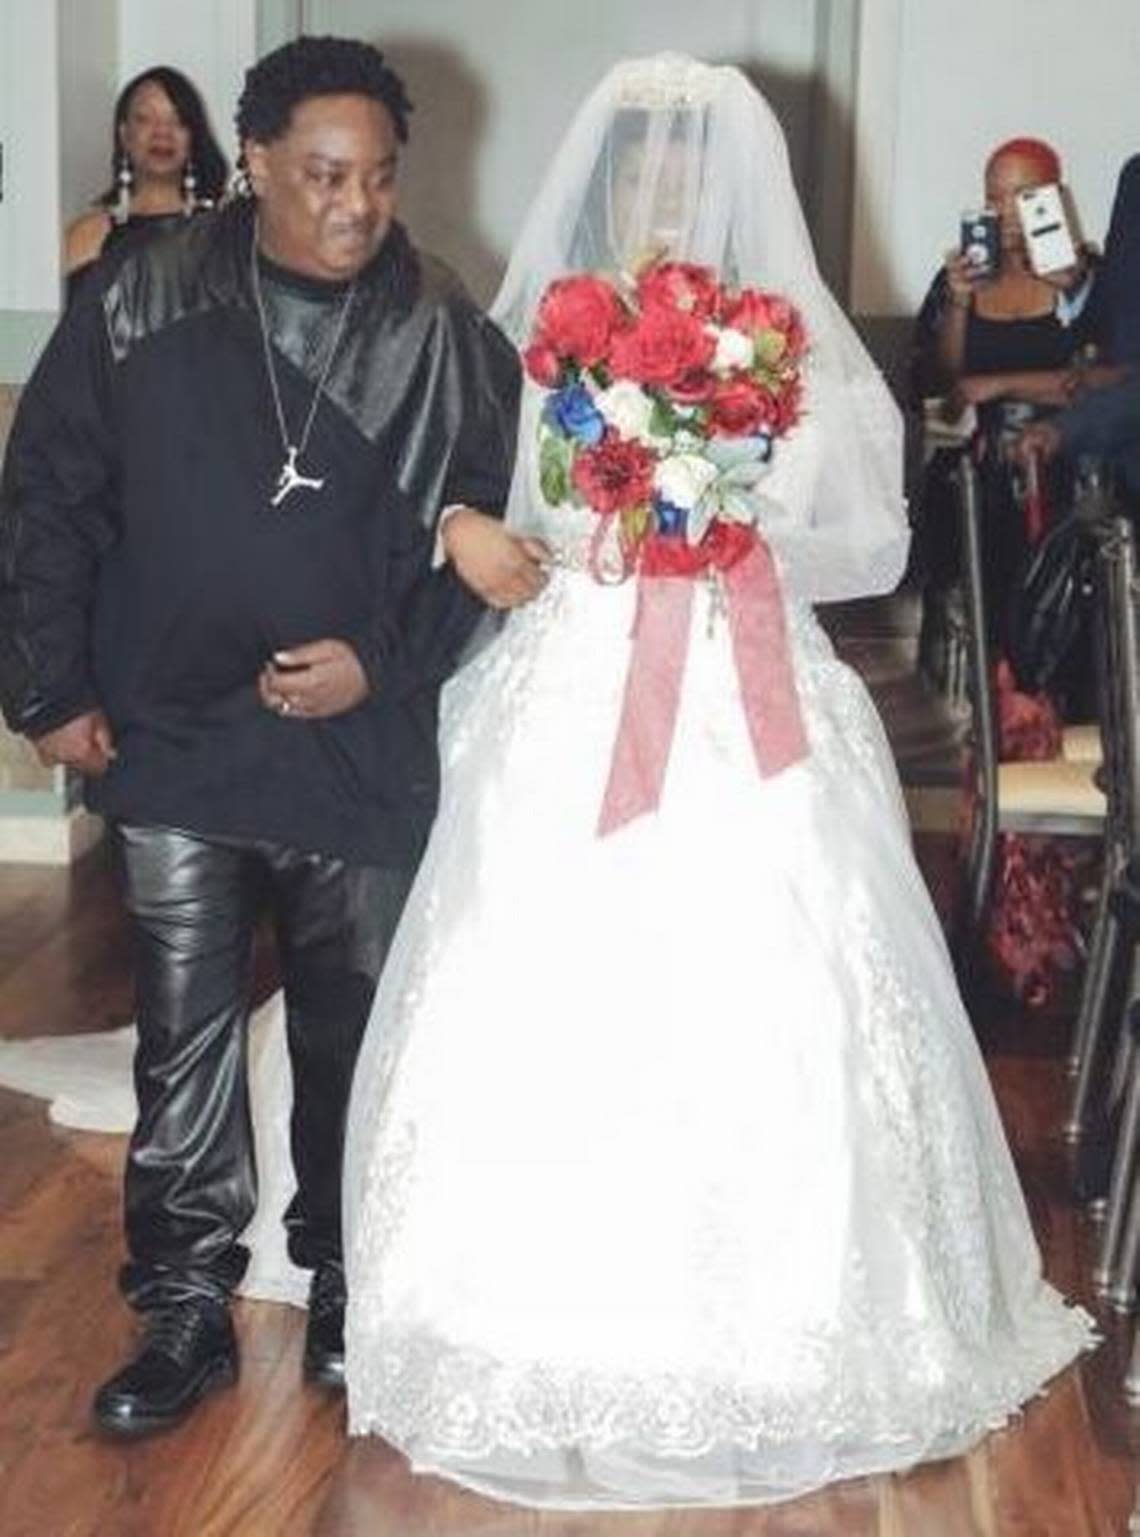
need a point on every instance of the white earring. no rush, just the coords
(124, 181)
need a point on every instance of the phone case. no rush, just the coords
(1048, 238)
(980, 242)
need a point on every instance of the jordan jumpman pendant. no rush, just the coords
(291, 479)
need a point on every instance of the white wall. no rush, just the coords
(89, 83)
(212, 41)
(29, 132)
(497, 81)
(943, 84)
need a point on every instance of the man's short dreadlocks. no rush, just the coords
(316, 66)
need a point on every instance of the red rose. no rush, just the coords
(577, 317)
(754, 312)
(661, 347)
(681, 286)
(741, 406)
(693, 388)
(614, 475)
(543, 364)
(789, 405)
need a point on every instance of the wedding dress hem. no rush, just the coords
(576, 1441)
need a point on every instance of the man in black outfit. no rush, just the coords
(1104, 423)
(223, 602)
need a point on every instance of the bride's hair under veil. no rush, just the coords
(644, 195)
(673, 158)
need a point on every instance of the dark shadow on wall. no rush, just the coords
(439, 199)
(821, 147)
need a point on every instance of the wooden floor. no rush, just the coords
(270, 1457)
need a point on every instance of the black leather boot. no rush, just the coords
(187, 1349)
(324, 1335)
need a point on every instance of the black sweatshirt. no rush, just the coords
(143, 570)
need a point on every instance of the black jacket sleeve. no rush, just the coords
(1105, 421)
(418, 636)
(57, 498)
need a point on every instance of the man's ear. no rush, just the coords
(256, 164)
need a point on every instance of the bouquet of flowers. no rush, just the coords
(665, 400)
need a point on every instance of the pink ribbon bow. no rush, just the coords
(666, 583)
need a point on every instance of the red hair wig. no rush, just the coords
(1042, 157)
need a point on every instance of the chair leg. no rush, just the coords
(1132, 1386)
(1099, 957)
(1109, 1278)
(983, 844)
(1121, 1294)
(1096, 1000)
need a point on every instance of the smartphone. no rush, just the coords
(980, 241)
(1048, 238)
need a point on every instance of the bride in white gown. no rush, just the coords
(673, 1172)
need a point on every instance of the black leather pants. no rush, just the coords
(191, 1181)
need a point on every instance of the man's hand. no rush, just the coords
(84, 744)
(314, 681)
(1040, 440)
(504, 569)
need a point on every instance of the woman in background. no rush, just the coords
(165, 167)
(1012, 345)
(1016, 347)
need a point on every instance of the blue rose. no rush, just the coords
(671, 519)
(573, 412)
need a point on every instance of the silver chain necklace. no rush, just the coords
(290, 477)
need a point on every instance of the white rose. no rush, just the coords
(627, 409)
(686, 442)
(683, 479)
(733, 350)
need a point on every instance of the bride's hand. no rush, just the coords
(504, 569)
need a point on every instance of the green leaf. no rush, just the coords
(662, 419)
(555, 456)
(770, 348)
(635, 522)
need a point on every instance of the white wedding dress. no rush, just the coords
(674, 1174)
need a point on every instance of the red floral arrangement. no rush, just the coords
(665, 400)
(1034, 938)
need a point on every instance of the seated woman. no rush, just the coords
(1016, 347)
(1013, 345)
(165, 166)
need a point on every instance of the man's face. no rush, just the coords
(326, 188)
